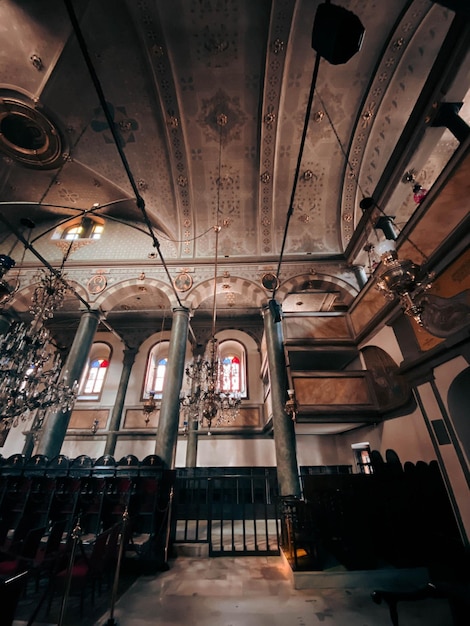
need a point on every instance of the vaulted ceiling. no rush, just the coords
(178, 116)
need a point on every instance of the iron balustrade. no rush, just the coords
(235, 513)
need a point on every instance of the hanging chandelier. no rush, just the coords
(30, 365)
(6, 263)
(149, 407)
(403, 280)
(207, 401)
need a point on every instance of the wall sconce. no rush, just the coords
(291, 405)
(149, 407)
(95, 426)
(402, 279)
(419, 193)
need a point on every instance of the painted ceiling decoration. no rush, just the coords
(167, 71)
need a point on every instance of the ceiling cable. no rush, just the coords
(117, 139)
(297, 169)
(369, 203)
(221, 121)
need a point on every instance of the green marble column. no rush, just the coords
(191, 450)
(283, 426)
(115, 421)
(56, 423)
(167, 434)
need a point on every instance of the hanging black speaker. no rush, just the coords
(461, 7)
(337, 33)
(275, 310)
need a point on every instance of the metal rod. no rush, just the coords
(290, 210)
(125, 519)
(76, 537)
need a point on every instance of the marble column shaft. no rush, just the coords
(56, 423)
(115, 421)
(283, 426)
(191, 450)
(167, 434)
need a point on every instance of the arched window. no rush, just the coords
(232, 367)
(94, 375)
(84, 228)
(156, 369)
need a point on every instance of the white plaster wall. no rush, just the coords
(215, 452)
(15, 440)
(407, 436)
(92, 447)
(319, 450)
(385, 338)
(139, 447)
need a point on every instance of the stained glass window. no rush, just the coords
(93, 379)
(156, 369)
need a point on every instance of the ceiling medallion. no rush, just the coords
(270, 281)
(183, 282)
(97, 284)
(27, 135)
(220, 106)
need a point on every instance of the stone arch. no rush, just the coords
(22, 297)
(317, 282)
(112, 297)
(240, 286)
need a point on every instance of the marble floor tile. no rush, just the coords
(255, 591)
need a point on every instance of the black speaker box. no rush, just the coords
(461, 7)
(337, 33)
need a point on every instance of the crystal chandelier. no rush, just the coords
(30, 365)
(208, 402)
(6, 263)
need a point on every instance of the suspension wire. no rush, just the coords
(221, 121)
(297, 169)
(358, 185)
(117, 140)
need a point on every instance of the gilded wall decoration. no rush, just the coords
(449, 300)
(316, 328)
(337, 390)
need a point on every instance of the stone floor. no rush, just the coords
(240, 591)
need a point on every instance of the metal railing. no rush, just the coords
(236, 514)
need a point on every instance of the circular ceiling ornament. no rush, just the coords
(97, 284)
(27, 135)
(183, 282)
(270, 281)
